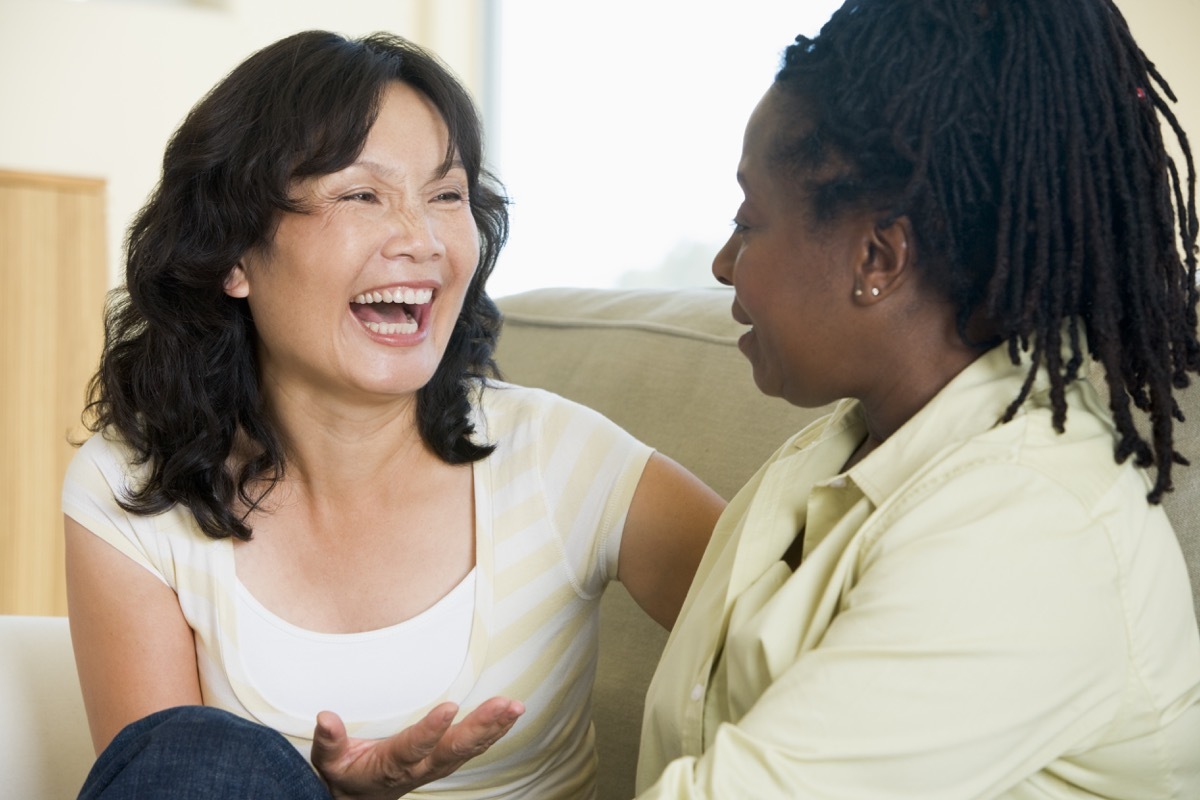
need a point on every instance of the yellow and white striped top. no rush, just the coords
(550, 507)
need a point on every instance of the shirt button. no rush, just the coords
(838, 483)
(698, 692)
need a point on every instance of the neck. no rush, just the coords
(909, 372)
(339, 449)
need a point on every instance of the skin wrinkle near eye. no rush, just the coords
(317, 192)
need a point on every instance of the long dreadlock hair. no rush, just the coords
(1022, 139)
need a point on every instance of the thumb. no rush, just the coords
(329, 739)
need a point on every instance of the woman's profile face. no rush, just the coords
(359, 296)
(793, 279)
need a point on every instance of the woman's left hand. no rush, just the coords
(384, 769)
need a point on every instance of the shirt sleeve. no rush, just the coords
(96, 476)
(590, 470)
(983, 632)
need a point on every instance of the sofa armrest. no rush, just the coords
(45, 747)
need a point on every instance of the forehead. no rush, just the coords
(775, 125)
(779, 123)
(760, 130)
(409, 137)
(783, 149)
(407, 113)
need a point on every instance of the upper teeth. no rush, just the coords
(407, 296)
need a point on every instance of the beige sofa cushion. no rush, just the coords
(663, 364)
(1183, 504)
(45, 747)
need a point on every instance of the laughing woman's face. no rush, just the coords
(359, 295)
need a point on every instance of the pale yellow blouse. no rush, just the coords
(981, 611)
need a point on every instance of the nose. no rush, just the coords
(722, 265)
(412, 234)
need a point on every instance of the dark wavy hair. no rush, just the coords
(178, 378)
(1022, 139)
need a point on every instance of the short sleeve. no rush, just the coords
(96, 476)
(587, 470)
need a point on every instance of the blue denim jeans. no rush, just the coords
(200, 753)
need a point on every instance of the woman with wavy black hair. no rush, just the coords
(308, 502)
(961, 583)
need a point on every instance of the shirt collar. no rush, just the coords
(973, 402)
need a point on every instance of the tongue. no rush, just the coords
(381, 312)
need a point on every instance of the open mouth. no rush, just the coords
(392, 312)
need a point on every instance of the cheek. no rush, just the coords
(471, 251)
(463, 245)
(763, 277)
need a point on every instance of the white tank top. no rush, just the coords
(370, 675)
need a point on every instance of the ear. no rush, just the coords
(236, 283)
(887, 256)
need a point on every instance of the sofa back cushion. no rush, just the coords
(663, 364)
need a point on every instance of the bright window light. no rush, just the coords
(617, 126)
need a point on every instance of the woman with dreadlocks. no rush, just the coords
(960, 584)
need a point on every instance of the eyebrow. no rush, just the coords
(385, 171)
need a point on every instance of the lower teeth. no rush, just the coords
(390, 328)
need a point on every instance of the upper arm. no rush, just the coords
(668, 526)
(133, 648)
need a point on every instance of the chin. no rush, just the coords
(393, 385)
(768, 387)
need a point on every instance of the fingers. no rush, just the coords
(478, 731)
(417, 741)
(432, 748)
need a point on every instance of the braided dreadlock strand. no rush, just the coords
(1024, 141)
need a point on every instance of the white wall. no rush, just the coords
(94, 88)
(1166, 31)
(620, 159)
(628, 177)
